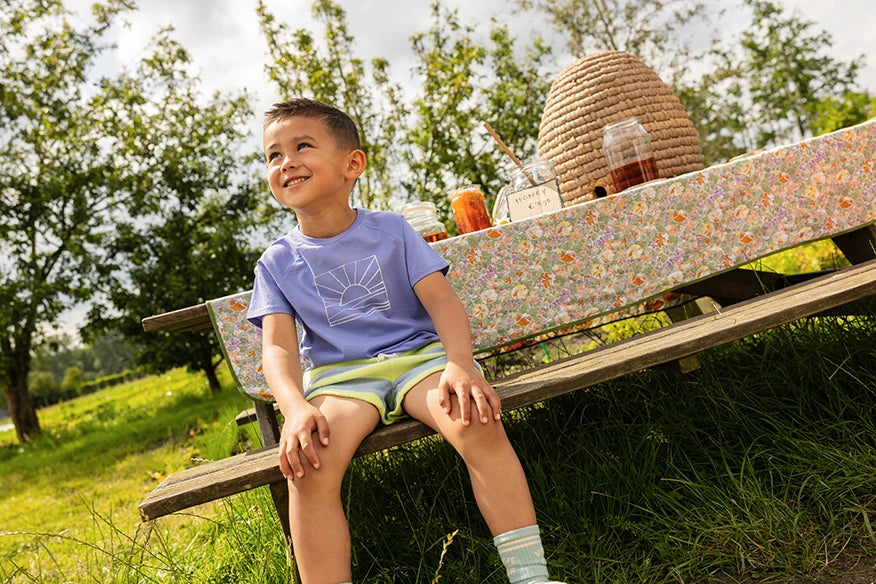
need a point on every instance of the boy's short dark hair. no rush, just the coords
(340, 125)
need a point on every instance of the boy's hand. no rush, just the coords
(467, 384)
(304, 425)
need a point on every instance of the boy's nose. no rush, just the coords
(288, 163)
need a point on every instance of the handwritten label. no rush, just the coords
(537, 200)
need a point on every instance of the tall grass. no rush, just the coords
(761, 465)
(761, 462)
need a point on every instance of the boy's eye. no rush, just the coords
(303, 145)
(273, 155)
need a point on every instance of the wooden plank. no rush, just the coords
(191, 319)
(858, 246)
(253, 469)
(737, 285)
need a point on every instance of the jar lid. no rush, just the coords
(472, 188)
(419, 207)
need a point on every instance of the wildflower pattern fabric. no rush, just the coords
(622, 255)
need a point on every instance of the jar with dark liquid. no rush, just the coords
(469, 209)
(423, 217)
(627, 149)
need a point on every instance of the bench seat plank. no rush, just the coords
(242, 472)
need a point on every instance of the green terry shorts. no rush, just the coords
(382, 381)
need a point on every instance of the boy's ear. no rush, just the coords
(356, 163)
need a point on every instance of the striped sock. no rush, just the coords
(522, 555)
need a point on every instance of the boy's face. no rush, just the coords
(307, 170)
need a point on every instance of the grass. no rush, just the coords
(98, 456)
(759, 466)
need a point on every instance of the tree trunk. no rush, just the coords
(203, 360)
(212, 379)
(21, 408)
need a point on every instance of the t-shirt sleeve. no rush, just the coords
(267, 296)
(421, 259)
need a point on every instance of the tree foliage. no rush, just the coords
(833, 113)
(190, 239)
(106, 354)
(464, 84)
(771, 85)
(61, 176)
(789, 71)
(768, 85)
(652, 30)
(90, 168)
(329, 72)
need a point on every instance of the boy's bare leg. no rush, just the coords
(320, 536)
(497, 477)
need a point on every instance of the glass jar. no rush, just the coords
(534, 173)
(423, 217)
(532, 190)
(627, 149)
(469, 209)
(501, 212)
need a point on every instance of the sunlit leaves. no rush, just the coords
(329, 71)
(465, 82)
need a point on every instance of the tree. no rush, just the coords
(789, 72)
(464, 84)
(333, 75)
(773, 84)
(62, 172)
(653, 31)
(761, 88)
(190, 239)
(715, 105)
(649, 29)
(72, 382)
(43, 385)
(111, 353)
(833, 113)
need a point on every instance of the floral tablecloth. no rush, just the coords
(624, 254)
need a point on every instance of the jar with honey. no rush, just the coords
(469, 209)
(627, 149)
(423, 217)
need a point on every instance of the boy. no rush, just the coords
(384, 335)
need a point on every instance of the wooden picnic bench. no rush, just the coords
(652, 247)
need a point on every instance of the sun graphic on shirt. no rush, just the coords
(353, 290)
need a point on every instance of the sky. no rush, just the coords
(229, 53)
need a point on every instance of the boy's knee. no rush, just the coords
(476, 437)
(327, 478)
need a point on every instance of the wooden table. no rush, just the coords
(600, 261)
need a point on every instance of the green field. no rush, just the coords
(760, 466)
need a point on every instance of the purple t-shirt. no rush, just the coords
(351, 295)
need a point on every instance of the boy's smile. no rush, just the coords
(308, 171)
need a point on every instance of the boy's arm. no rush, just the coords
(282, 369)
(460, 377)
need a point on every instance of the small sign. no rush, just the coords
(537, 200)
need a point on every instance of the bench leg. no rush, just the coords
(269, 428)
(701, 305)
